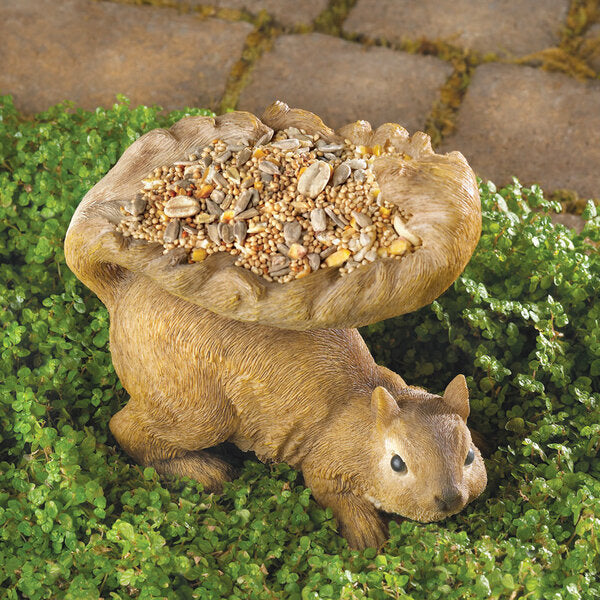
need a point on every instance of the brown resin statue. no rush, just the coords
(234, 288)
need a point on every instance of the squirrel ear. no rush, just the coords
(384, 406)
(456, 395)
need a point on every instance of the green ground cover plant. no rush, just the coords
(79, 520)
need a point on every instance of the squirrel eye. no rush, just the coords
(470, 457)
(398, 464)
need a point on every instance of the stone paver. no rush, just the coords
(506, 27)
(287, 12)
(89, 51)
(342, 81)
(542, 127)
(568, 220)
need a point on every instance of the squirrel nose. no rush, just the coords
(450, 500)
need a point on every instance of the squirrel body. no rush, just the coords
(315, 399)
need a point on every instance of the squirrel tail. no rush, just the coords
(87, 253)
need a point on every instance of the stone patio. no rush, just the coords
(476, 75)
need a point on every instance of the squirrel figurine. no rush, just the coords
(364, 440)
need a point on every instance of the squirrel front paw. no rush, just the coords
(364, 531)
(359, 521)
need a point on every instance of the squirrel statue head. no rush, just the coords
(425, 464)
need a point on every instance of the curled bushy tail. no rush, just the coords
(437, 194)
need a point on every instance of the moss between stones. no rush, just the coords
(573, 51)
(330, 21)
(571, 201)
(258, 41)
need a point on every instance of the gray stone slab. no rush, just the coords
(568, 220)
(342, 81)
(89, 51)
(506, 27)
(287, 12)
(541, 127)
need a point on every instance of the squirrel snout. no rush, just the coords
(450, 500)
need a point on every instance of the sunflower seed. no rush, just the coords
(223, 157)
(283, 249)
(207, 161)
(357, 163)
(225, 232)
(302, 138)
(361, 219)
(327, 252)
(325, 237)
(280, 272)
(213, 233)
(237, 147)
(341, 173)
(171, 232)
(213, 208)
(227, 202)
(359, 175)
(292, 232)
(243, 157)
(313, 181)
(248, 214)
(286, 145)
(189, 229)
(337, 219)
(324, 146)
(318, 219)
(266, 166)
(219, 179)
(265, 138)
(217, 196)
(184, 184)
(242, 201)
(233, 174)
(182, 206)
(314, 261)
(279, 262)
(266, 177)
(136, 206)
(240, 229)
(329, 156)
